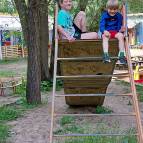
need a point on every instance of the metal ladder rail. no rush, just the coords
(53, 104)
(129, 114)
(135, 101)
(54, 76)
(79, 76)
(130, 69)
(133, 88)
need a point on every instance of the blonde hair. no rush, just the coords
(112, 4)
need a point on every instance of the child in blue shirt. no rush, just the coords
(111, 27)
(69, 29)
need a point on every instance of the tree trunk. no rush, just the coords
(29, 17)
(44, 39)
(34, 72)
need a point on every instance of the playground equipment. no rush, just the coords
(84, 57)
(138, 74)
(86, 64)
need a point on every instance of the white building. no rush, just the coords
(10, 23)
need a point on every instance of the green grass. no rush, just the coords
(7, 73)
(11, 60)
(4, 132)
(102, 110)
(127, 139)
(23, 105)
(8, 113)
(66, 120)
(21, 89)
(139, 89)
(47, 85)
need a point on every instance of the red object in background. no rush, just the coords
(7, 43)
(139, 81)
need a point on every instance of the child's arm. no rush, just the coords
(62, 22)
(62, 32)
(102, 23)
(120, 23)
(102, 26)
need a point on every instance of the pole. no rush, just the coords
(133, 87)
(55, 73)
(0, 45)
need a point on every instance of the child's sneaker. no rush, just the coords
(122, 58)
(106, 58)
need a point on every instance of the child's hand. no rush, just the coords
(70, 39)
(106, 33)
(123, 29)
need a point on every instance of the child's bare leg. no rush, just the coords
(122, 58)
(105, 43)
(120, 37)
(90, 35)
(80, 21)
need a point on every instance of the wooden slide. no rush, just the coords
(85, 66)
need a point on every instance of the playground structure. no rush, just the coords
(138, 74)
(76, 59)
(71, 78)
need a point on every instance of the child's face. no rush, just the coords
(112, 11)
(66, 5)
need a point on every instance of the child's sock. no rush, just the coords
(121, 54)
(106, 58)
(106, 53)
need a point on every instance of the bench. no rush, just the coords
(9, 82)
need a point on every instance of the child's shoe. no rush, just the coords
(122, 58)
(106, 58)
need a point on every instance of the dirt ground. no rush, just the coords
(34, 126)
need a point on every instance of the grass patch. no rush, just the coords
(68, 129)
(4, 132)
(127, 139)
(22, 103)
(68, 126)
(8, 113)
(47, 85)
(102, 110)
(66, 120)
(123, 83)
(7, 73)
(21, 89)
(11, 60)
(139, 89)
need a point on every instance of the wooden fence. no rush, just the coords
(13, 52)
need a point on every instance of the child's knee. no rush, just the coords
(120, 36)
(82, 13)
(104, 36)
(95, 35)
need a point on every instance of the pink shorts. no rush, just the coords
(113, 33)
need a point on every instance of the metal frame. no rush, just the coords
(136, 112)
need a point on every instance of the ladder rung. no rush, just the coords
(83, 58)
(90, 95)
(93, 135)
(88, 115)
(91, 76)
